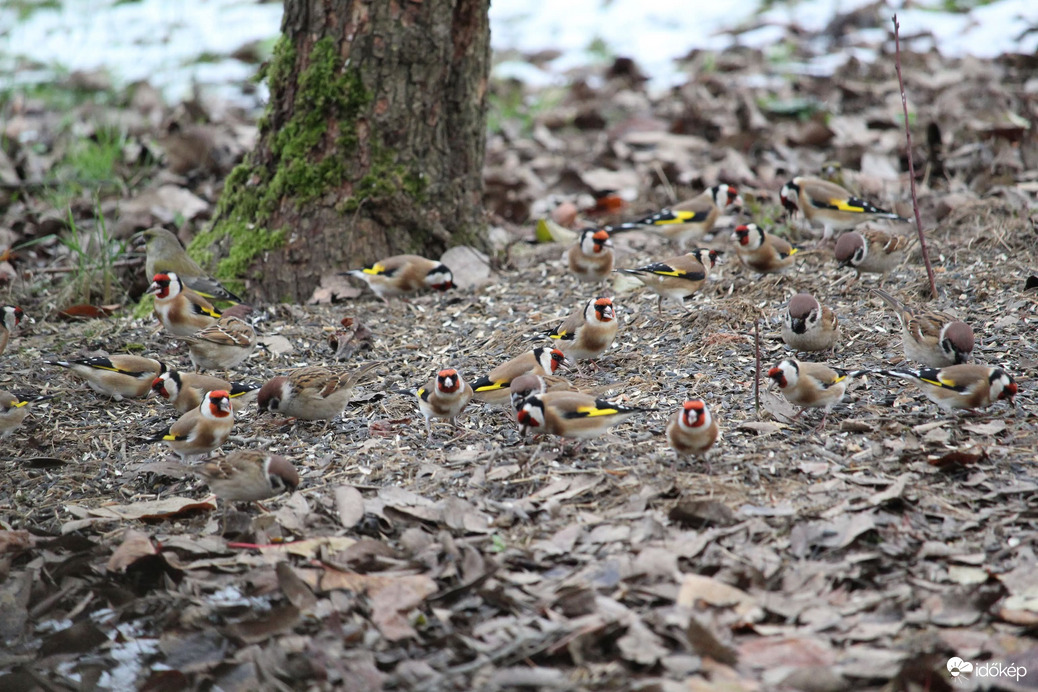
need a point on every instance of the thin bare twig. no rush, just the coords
(756, 376)
(911, 166)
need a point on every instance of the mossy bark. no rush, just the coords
(372, 145)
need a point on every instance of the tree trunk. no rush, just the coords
(372, 144)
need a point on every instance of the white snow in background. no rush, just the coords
(159, 40)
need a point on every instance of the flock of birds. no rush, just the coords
(529, 384)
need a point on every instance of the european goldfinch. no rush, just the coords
(443, 397)
(691, 219)
(808, 325)
(249, 475)
(12, 412)
(810, 385)
(692, 431)
(185, 389)
(828, 205)
(676, 278)
(587, 332)
(165, 254)
(311, 393)
(221, 346)
(181, 311)
(116, 376)
(203, 429)
(961, 386)
(763, 252)
(10, 317)
(933, 338)
(571, 414)
(402, 274)
(492, 388)
(535, 383)
(871, 251)
(592, 258)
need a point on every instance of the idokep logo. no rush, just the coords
(961, 670)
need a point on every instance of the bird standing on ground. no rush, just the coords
(165, 254)
(492, 388)
(808, 325)
(592, 258)
(692, 431)
(202, 430)
(829, 205)
(116, 376)
(249, 475)
(690, 220)
(185, 389)
(957, 387)
(403, 274)
(12, 412)
(587, 332)
(763, 252)
(443, 397)
(221, 346)
(181, 311)
(571, 414)
(930, 337)
(10, 317)
(311, 393)
(676, 278)
(810, 385)
(871, 251)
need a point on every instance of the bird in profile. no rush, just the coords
(404, 274)
(493, 388)
(588, 331)
(181, 311)
(676, 278)
(185, 389)
(932, 338)
(690, 220)
(573, 415)
(249, 475)
(165, 254)
(763, 252)
(14, 410)
(810, 385)
(829, 205)
(311, 393)
(10, 317)
(871, 251)
(960, 387)
(119, 376)
(221, 346)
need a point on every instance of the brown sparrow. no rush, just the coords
(311, 393)
(929, 337)
(762, 252)
(492, 388)
(809, 326)
(403, 274)
(221, 346)
(116, 376)
(829, 205)
(249, 475)
(591, 259)
(871, 251)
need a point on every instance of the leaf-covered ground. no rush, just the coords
(864, 556)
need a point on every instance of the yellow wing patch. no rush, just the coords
(843, 205)
(794, 251)
(592, 411)
(374, 269)
(493, 386)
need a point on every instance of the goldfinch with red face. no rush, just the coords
(185, 389)
(828, 205)
(692, 431)
(956, 387)
(571, 414)
(691, 219)
(119, 376)
(592, 258)
(588, 332)
(249, 475)
(492, 388)
(443, 397)
(808, 325)
(311, 393)
(403, 274)
(676, 278)
(763, 252)
(165, 254)
(10, 317)
(203, 429)
(535, 383)
(810, 385)
(871, 251)
(930, 337)
(181, 311)
(221, 346)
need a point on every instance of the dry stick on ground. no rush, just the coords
(911, 167)
(756, 376)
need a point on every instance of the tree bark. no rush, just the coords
(372, 144)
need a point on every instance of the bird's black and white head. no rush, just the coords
(525, 386)
(167, 385)
(282, 476)
(957, 341)
(1002, 386)
(707, 257)
(785, 374)
(594, 241)
(851, 249)
(790, 196)
(531, 413)
(750, 236)
(724, 195)
(12, 317)
(802, 313)
(440, 278)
